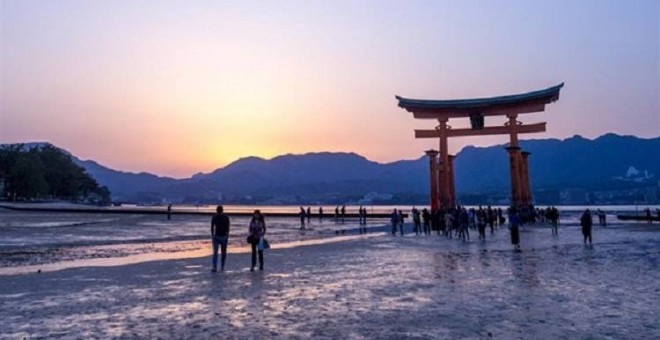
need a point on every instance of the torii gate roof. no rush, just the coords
(455, 108)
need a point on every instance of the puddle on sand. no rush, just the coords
(146, 257)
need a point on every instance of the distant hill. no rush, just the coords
(125, 184)
(555, 164)
(609, 162)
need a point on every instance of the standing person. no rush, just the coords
(481, 223)
(337, 214)
(169, 212)
(394, 220)
(309, 214)
(649, 218)
(554, 220)
(401, 222)
(490, 219)
(602, 218)
(426, 218)
(586, 222)
(449, 224)
(320, 214)
(514, 227)
(364, 219)
(343, 213)
(360, 218)
(256, 231)
(219, 237)
(302, 218)
(417, 221)
(464, 232)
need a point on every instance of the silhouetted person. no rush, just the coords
(500, 217)
(336, 214)
(649, 218)
(169, 212)
(602, 218)
(256, 231)
(464, 219)
(343, 213)
(481, 223)
(364, 219)
(426, 220)
(401, 222)
(360, 218)
(219, 237)
(320, 213)
(417, 221)
(309, 214)
(302, 216)
(514, 227)
(553, 215)
(394, 220)
(490, 219)
(586, 222)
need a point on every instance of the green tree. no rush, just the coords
(46, 171)
(26, 177)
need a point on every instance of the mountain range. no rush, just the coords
(608, 163)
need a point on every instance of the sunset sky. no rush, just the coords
(179, 87)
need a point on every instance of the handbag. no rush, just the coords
(263, 244)
(249, 239)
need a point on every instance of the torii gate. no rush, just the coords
(443, 193)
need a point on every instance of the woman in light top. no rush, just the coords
(256, 232)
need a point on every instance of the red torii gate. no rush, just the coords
(443, 193)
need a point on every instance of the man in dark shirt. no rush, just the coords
(220, 236)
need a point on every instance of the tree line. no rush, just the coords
(46, 172)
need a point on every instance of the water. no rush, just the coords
(37, 238)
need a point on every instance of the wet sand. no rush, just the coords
(378, 287)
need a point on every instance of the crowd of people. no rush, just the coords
(455, 222)
(452, 222)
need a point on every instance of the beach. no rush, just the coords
(361, 287)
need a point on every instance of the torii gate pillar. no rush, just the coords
(452, 184)
(434, 171)
(527, 189)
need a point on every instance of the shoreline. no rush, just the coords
(151, 257)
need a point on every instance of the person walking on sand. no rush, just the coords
(256, 231)
(337, 214)
(586, 222)
(219, 237)
(343, 213)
